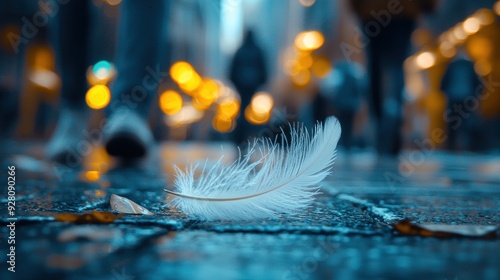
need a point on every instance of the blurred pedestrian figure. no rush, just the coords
(387, 25)
(345, 89)
(247, 73)
(140, 42)
(459, 82)
(13, 52)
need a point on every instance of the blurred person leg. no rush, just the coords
(387, 52)
(70, 36)
(139, 60)
(13, 70)
(401, 35)
(248, 73)
(376, 93)
(347, 98)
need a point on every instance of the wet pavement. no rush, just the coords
(347, 234)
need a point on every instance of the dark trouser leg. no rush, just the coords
(376, 93)
(70, 34)
(375, 81)
(387, 52)
(70, 43)
(141, 43)
(400, 44)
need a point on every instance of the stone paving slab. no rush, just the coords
(457, 191)
(288, 256)
(154, 253)
(346, 234)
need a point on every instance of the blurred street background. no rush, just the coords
(414, 84)
(395, 76)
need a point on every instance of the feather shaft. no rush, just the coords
(283, 180)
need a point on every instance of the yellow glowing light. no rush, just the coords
(186, 76)
(447, 49)
(209, 90)
(255, 118)
(471, 25)
(426, 60)
(228, 109)
(206, 95)
(92, 175)
(190, 85)
(222, 125)
(170, 102)
(313, 40)
(200, 103)
(321, 67)
(181, 72)
(262, 103)
(98, 97)
(309, 40)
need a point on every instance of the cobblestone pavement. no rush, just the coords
(347, 234)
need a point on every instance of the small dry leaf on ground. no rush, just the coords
(125, 205)
(94, 217)
(406, 227)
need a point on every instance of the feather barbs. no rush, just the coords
(283, 180)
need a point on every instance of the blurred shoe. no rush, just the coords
(127, 135)
(67, 145)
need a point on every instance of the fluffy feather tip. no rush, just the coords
(282, 181)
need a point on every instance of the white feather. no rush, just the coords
(283, 180)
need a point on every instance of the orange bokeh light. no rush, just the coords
(262, 103)
(92, 175)
(222, 125)
(170, 102)
(228, 109)
(309, 40)
(256, 118)
(181, 72)
(98, 97)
